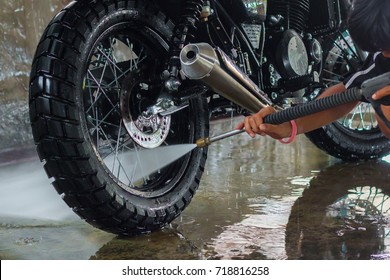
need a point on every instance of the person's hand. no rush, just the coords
(381, 93)
(254, 125)
(384, 119)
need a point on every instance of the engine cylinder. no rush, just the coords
(295, 13)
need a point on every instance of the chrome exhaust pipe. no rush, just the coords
(201, 62)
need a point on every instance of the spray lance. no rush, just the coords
(174, 152)
(367, 89)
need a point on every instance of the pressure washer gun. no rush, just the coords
(371, 86)
(367, 89)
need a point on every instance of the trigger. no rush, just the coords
(384, 101)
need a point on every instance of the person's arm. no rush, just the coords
(254, 124)
(385, 109)
(320, 119)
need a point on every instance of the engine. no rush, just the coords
(284, 34)
(294, 13)
(292, 55)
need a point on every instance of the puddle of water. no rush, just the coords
(166, 244)
(44, 240)
(344, 214)
(288, 209)
(258, 199)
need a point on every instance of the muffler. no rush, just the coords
(214, 68)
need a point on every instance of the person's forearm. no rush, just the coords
(320, 119)
(383, 127)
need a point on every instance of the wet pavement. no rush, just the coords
(258, 199)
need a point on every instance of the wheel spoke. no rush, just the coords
(338, 64)
(117, 156)
(100, 90)
(119, 141)
(334, 74)
(102, 84)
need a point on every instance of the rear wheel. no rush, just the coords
(357, 135)
(95, 74)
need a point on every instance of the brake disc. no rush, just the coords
(147, 130)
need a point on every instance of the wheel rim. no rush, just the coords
(120, 63)
(343, 59)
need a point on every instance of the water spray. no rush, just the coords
(174, 152)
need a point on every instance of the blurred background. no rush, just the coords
(21, 25)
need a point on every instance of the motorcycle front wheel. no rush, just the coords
(95, 71)
(357, 135)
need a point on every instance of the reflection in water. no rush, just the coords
(345, 214)
(257, 236)
(258, 199)
(260, 180)
(161, 245)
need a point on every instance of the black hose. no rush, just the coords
(314, 106)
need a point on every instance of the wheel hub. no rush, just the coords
(146, 129)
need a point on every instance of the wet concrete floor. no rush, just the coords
(258, 199)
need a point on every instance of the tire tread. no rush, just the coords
(57, 132)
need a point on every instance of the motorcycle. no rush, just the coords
(112, 78)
